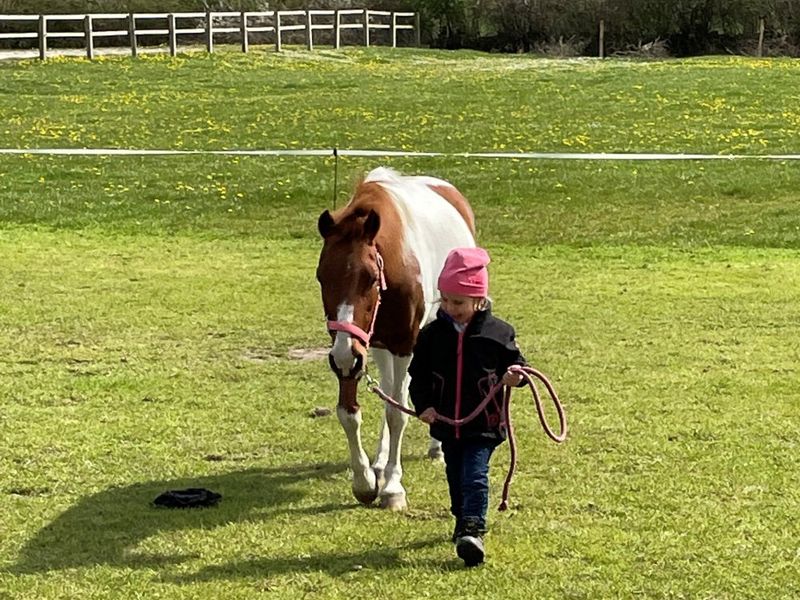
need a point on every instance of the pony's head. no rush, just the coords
(350, 275)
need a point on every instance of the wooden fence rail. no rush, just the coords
(130, 26)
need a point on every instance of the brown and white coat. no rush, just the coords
(398, 229)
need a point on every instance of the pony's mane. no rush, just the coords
(384, 174)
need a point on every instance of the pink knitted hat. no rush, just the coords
(464, 273)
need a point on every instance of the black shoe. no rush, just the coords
(470, 549)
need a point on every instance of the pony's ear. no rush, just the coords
(325, 224)
(371, 225)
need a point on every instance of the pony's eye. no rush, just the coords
(369, 278)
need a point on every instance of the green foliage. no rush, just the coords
(153, 309)
(447, 22)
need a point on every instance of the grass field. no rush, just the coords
(152, 308)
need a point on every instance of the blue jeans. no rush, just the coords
(467, 468)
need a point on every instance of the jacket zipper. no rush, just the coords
(459, 369)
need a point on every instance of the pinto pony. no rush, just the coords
(378, 268)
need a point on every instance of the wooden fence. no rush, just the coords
(130, 27)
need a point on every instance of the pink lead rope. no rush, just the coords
(528, 373)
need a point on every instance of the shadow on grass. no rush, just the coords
(106, 528)
(335, 564)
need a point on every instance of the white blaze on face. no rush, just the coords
(342, 350)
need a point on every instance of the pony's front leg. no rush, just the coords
(365, 484)
(393, 494)
(385, 362)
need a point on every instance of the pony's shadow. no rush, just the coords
(106, 528)
(336, 564)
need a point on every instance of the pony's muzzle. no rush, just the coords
(352, 371)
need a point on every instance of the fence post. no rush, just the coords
(132, 34)
(277, 31)
(394, 30)
(336, 30)
(245, 34)
(309, 41)
(761, 37)
(417, 31)
(42, 37)
(87, 32)
(209, 33)
(366, 27)
(173, 42)
(601, 43)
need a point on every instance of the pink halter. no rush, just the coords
(353, 329)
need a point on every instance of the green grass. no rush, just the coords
(149, 307)
(403, 99)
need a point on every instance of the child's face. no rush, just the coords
(460, 308)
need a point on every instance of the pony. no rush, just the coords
(378, 269)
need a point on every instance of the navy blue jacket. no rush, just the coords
(480, 354)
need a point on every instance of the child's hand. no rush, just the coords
(428, 415)
(512, 379)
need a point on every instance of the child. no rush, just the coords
(457, 359)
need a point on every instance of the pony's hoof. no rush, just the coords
(436, 454)
(394, 502)
(366, 498)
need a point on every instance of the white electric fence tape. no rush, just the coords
(621, 156)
